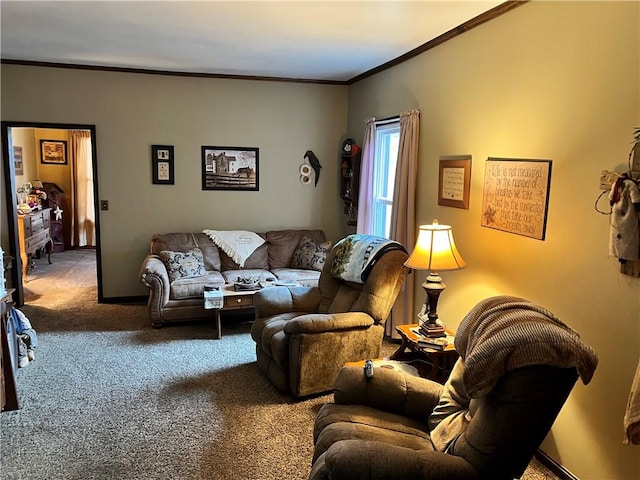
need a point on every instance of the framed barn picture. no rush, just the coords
(230, 168)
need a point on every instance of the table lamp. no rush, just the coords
(435, 251)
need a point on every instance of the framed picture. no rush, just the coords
(53, 151)
(162, 164)
(17, 161)
(454, 182)
(230, 168)
(516, 196)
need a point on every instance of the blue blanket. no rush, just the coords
(357, 254)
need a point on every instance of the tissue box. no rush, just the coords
(213, 297)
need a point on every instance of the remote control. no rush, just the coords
(368, 368)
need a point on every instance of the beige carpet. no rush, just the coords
(109, 397)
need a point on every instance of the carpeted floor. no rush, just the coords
(109, 397)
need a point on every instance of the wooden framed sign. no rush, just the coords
(516, 196)
(454, 183)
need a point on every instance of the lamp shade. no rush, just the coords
(435, 250)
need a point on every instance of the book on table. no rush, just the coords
(435, 343)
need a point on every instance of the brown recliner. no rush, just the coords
(304, 335)
(517, 366)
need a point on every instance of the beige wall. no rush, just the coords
(131, 112)
(548, 80)
(58, 174)
(25, 138)
(29, 140)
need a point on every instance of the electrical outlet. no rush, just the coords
(104, 204)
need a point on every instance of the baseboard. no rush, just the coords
(557, 469)
(133, 299)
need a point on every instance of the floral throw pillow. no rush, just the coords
(310, 255)
(187, 264)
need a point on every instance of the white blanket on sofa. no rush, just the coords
(238, 244)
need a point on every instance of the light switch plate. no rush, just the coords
(104, 204)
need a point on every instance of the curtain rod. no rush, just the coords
(383, 121)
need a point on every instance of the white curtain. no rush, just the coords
(82, 204)
(403, 213)
(365, 223)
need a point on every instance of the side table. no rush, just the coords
(431, 363)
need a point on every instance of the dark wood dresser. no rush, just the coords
(35, 235)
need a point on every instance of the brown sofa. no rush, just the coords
(181, 299)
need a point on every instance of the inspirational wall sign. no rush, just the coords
(454, 182)
(516, 196)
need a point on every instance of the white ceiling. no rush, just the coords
(312, 39)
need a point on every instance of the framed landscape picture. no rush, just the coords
(162, 164)
(230, 168)
(53, 151)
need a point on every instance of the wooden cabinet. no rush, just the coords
(54, 202)
(8, 356)
(35, 235)
(350, 158)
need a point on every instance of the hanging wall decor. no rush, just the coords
(311, 158)
(516, 196)
(17, 161)
(454, 183)
(53, 151)
(305, 172)
(162, 164)
(230, 168)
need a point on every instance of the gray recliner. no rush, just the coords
(517, 366)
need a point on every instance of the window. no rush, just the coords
(384, 175)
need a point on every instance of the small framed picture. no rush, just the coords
(53, 151)
(454, 183)
(162, 164)
(17, 161)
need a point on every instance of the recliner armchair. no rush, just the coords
(304, 335)
(518, 363)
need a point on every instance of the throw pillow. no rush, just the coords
(186, 264)
(310, 255)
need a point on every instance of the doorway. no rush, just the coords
(14, 168)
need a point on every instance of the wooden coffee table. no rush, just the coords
(232, 300)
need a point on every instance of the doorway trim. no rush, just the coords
(12, 208)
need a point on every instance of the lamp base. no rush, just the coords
(433, 330)
(432, 327)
